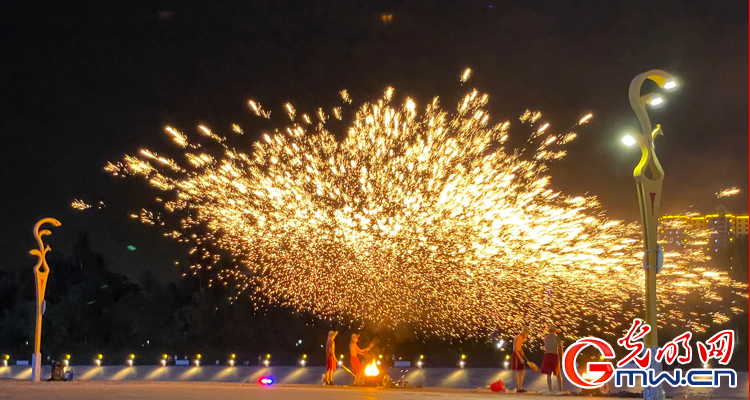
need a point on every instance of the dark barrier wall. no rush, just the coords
(469, 378)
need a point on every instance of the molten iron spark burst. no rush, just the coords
(732, 191)
(418, 218)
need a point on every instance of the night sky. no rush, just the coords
(82, 84)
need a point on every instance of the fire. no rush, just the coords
(372, 369)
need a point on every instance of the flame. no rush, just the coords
(372, 369)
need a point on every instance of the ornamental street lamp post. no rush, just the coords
(649, 176)
(41, 271)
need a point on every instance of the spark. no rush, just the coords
(345, 96)
(466, 75)
(420, 217)
(728, 192)
(290, 110)
(80, 205)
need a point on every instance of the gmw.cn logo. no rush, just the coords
(598, 373)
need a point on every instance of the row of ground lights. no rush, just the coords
(266, 361)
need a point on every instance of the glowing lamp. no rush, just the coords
(670, 84)
(628, 140)
(656, 101)
(266, 381)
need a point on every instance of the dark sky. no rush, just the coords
(82, 83)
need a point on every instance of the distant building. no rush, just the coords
(724, 228)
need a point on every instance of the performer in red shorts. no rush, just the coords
(552, 358)
(518, 360)
(354, 350)
(330, 357)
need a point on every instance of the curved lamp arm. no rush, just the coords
(41, 270)
(646, 139)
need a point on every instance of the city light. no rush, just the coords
(628, 140)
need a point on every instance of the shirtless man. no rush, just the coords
(354, 350)
(518, 360)
(330, 357)
(552, 356)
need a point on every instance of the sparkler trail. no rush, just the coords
(419, 218)
(727, 192)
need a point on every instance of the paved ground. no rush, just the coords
(23, 390)
(81, 390)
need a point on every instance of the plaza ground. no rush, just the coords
(91, 390)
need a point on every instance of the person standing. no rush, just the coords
(330, 357)
(354, 351)
(518, 360)
(552, 357)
